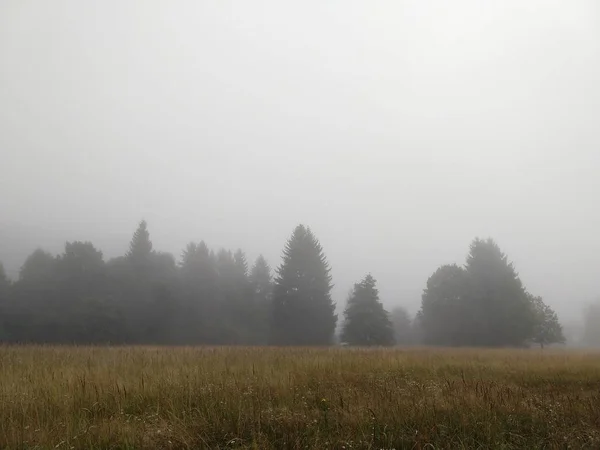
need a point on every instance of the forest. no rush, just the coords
(219, 298)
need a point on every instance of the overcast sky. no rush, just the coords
(398, 131)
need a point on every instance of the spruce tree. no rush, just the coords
(199, 316)
(303, 312)
(366, 321)
(226, 266)
(241, 264)
(140, 247)
(260, 279)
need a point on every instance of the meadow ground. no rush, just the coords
(273, 398)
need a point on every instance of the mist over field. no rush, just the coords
(302, 225)
(398, 131)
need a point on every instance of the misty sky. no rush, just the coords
(398, 131)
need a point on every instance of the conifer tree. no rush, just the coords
(241, 264)
(199, 316)
(260, 279)
(140, 247)
(366, 321)
(303, 312)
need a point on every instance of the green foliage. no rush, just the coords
(39, 267)
(502, 312)
(241, 265)
(547, 329)
(4, 282)
(483, 304)
(591, 325)
(261, 279)
(444, 314)
(403, 326)
(303, 312)
(366, 321)
(4, 296)
(261, 285)
(140, 247)
(145, 297)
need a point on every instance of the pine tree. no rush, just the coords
(366, 321)
(226, 266)
(241, 265)
(262, 287)
(199, 317)
(140, 247)
(261, 278)
(303, 312)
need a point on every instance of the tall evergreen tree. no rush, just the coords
(140, 247)
(366, 321)
(241, 264)
(260, 279)
(303, 312)
(197, 320)
(226, 265)
(234, 297)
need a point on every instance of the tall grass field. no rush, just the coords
(291, 398)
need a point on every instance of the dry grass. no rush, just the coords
(147, 398)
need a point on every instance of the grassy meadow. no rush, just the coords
(274, 398)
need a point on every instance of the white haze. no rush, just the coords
(398, 131)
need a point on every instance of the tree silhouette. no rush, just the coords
(303, 312)
(366, 321)
(547, 329)
(140, 247)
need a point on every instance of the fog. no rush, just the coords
(398, 131)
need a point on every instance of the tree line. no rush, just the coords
(218, 298)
